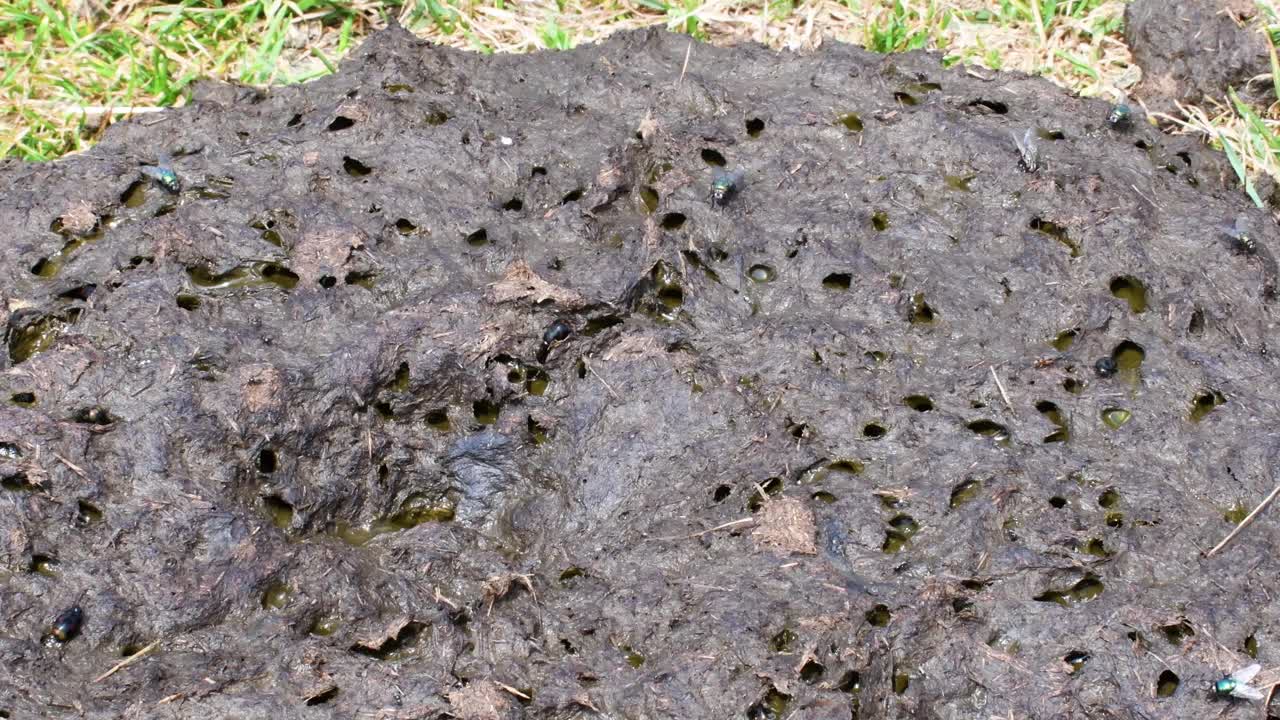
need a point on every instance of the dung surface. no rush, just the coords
(832, 447)
(1193, 50)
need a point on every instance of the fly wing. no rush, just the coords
(1245, 675)
(1240, 228)
(733, 178)
(1248, 692)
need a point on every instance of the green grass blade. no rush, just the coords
(1238, 165)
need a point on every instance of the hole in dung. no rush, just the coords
(920, 312)
(1057, 232)
(1196, 325)
(919, 403)
(837, 281)
(280, 511)
(1076, 660)
(1063, 341)
(851, 122)
(87, 513)
(94, 416)
(485, 412)
(354, 167)
(438, 419)
(1205, 402)
(649, 197)
(80, 292)
(762, 273)
(879, 616)
(323, 697)
(341, 122)
(984, 106)
(1167, 684)
(1132, 291)
(964, 492)
(1128, 355)
(713, 157)
(266, 460)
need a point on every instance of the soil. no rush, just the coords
(1194, 50)
(829, 444)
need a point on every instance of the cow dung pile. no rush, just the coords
(646, 380)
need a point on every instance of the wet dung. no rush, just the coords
(465, 377)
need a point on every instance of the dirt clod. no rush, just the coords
(79, 219)
(786, 524)
(482, 700)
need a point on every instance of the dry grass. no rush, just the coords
(72, 68)
(1250, 136)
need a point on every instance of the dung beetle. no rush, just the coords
(556, 333)
(1120, 117)
(1105, 367)
(65, 627)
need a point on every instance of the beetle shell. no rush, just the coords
(558, 331)
(66, 626)
(1105, 367)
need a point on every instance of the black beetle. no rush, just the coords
(556, 332)
(65, 627)
(1105, 367)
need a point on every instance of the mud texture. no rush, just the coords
(832, 447)
(1193, 50)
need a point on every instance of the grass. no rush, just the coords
(1249, 136)
(68, 69)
